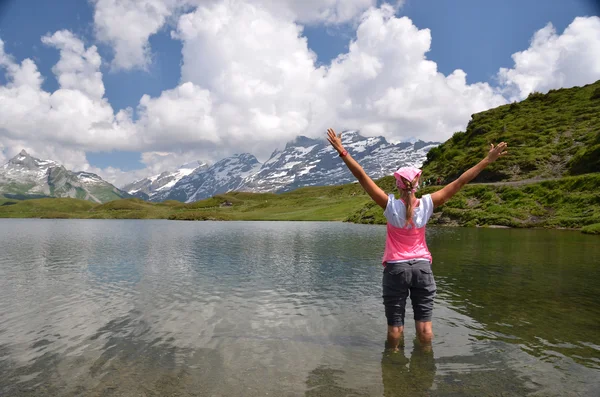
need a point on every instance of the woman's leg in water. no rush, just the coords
(422, 295)
(395, 291)
(394, 336)
(424, 332)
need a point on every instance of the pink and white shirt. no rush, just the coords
(405, 243)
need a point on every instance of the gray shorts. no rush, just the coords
(399, 279)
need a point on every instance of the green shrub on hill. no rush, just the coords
(591, 229)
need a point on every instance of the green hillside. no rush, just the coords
(331, 203)
(549, 136)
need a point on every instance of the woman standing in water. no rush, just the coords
(407, 260)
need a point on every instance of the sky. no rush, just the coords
(131, 88)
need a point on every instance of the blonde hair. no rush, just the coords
(410, 187)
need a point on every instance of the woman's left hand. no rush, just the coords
(335, 140)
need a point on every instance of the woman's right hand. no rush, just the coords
(335, 140)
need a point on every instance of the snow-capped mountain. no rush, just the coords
(223, 176)
(303, 162)
(157, 187)
(312, 162)
(25, 175)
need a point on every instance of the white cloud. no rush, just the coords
(271, 93)
(119, 177)
(185, 112)
(25, 74)
(78, 68)
(127, 25)
(260, 94)
(555, 61)
(318, 11)
(391, 88)
(250, 83)
(154, 163)
(60, 125)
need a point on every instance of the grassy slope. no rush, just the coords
(17, 188)
(44, 208)
(107, 193)
(549, 136)
(320, 203)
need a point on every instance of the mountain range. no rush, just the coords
(303, 162)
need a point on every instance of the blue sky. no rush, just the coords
(473, 35)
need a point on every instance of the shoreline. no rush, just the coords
(570, 203)
(503, 227)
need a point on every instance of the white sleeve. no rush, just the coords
(389, 208)
(427, 206)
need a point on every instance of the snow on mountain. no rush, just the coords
(27, 171)
(311, 162)
(25, 175)
(157, 187)
(303, 162)
(223, 176)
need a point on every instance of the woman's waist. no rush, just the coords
(416, 263)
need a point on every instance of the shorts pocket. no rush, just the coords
(396, 277)
(425, 277)
(393, 269)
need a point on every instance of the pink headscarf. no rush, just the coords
(408, 173)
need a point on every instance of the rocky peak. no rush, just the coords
(303, 141)
(246, 157)
(352, 136)
(24, 160)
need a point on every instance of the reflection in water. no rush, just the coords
(408, 377)
(324, 381)
(153, 308)
(535, 288)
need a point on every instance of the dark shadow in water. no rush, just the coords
(129, 365)
(36, 379)
(408, 377)
(134, 365)
(325, 382)
(419, 375)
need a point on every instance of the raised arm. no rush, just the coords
(445, 194)
(365, 181)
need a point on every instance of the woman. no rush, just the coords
(407, 260)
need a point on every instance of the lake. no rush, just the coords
(165, 308)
